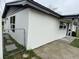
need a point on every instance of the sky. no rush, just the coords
(2, 4)
(64, 7)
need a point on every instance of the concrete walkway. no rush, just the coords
(59, 49)
(68, 39)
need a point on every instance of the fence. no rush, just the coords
(19, 35)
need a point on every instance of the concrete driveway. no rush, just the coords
(59, 49)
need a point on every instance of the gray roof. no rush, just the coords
(34, 5)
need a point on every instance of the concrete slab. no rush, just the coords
(11, 47)
(69, 39)
(9, 41)
(58, 49)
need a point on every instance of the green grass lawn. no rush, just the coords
(32, 54)
(78, 33)
(75, 43)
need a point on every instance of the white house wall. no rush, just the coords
(43, 29)
(6, 23)
(73, 28)
(1, 41)
(21, 23)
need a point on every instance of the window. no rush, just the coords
(12, 23)
(62, 25)
(2, 23)
(72, 18)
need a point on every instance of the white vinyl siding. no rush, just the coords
(43, 29)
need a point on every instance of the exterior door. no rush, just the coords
(69, 29)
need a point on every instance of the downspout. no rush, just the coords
(67, 29)
(72, 22)
(77, 27)
(71, 28)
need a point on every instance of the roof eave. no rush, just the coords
(35, 5)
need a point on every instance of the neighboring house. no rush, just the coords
(34, 25)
